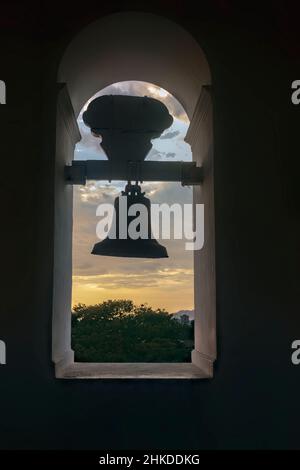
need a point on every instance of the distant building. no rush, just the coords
(184, 315)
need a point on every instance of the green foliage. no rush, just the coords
(119, 331)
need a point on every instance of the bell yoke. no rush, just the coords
(126, 125)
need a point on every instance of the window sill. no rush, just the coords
(89, 370)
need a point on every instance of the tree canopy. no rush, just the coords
(119, 331)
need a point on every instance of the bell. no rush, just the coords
(119, 242)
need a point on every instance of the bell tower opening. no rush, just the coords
(115, 49)
(156, 276)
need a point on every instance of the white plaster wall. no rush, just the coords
(134, 46)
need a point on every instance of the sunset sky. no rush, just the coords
(162, 283)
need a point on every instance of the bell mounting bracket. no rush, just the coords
(188, 173)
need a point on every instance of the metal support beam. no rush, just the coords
(188, 173)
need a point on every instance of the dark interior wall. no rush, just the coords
(252, 401)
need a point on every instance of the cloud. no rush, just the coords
(170, 154)
(136, 88)
(166, 277)
(162, 282)
(86, 200)
(170, 135)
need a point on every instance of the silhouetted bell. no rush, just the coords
(119, 241)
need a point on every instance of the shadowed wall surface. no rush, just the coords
(252, 401)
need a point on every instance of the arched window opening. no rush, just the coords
(150, 284)
(121, 48)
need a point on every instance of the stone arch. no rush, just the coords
(134, 46)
